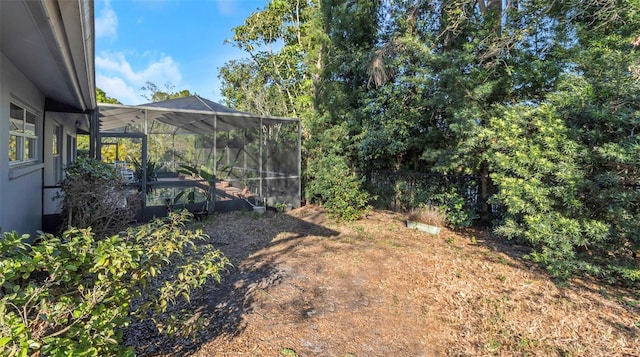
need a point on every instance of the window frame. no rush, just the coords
(57, 133)
(25, 133)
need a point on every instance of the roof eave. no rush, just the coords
(72, 25)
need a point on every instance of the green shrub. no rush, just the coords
(95, 195)
(336, 188)
(577, 222)
(458, 213)
(71, 295)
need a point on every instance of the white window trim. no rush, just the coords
(36, 162)
(18, 171)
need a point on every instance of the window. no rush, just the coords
(23, 135)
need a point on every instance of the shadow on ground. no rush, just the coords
(219, 307)
(375, 288)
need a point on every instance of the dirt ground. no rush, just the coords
(303, 285)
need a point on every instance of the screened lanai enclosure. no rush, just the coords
(194, 153)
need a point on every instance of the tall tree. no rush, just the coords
(155, 94)
(350, 28)
(537, 100)
(102, 97)
(432, 76)
(279, 76)
(599, 101)
(286, 47)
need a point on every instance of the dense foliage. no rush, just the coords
(95, 195)
(534, 102)
(102, 97)
(335, 186)
(72, 295)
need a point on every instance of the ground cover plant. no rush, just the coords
(74, 294)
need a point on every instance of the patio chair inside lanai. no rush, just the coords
(241, 157)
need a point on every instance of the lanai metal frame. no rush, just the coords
(198, 116)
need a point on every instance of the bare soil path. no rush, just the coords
(303, 285)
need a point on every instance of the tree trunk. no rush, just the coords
(485, 192)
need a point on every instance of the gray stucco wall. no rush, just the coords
(4, 155)
(20, 187)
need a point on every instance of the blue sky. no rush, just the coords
(181, 42)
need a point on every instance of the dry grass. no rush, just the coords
(428, 215)
(306, 285)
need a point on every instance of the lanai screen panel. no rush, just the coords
(258, 156)
(280, 164)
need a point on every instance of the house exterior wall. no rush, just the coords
(53, 166)
(4, 155)
(20, 186)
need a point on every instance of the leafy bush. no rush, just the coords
(71, 295)
(458, 213)
(576, 221)
(95, 195)
(150, 174)
(336, 188)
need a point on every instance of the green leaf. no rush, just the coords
(71, 267)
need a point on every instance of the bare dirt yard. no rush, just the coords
(304, 285)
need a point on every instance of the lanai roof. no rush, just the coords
(187, 115)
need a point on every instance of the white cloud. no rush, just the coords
(117, 77)
(117, 88)
(106, 23)
(226, 7)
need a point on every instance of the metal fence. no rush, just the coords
(404, 191)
